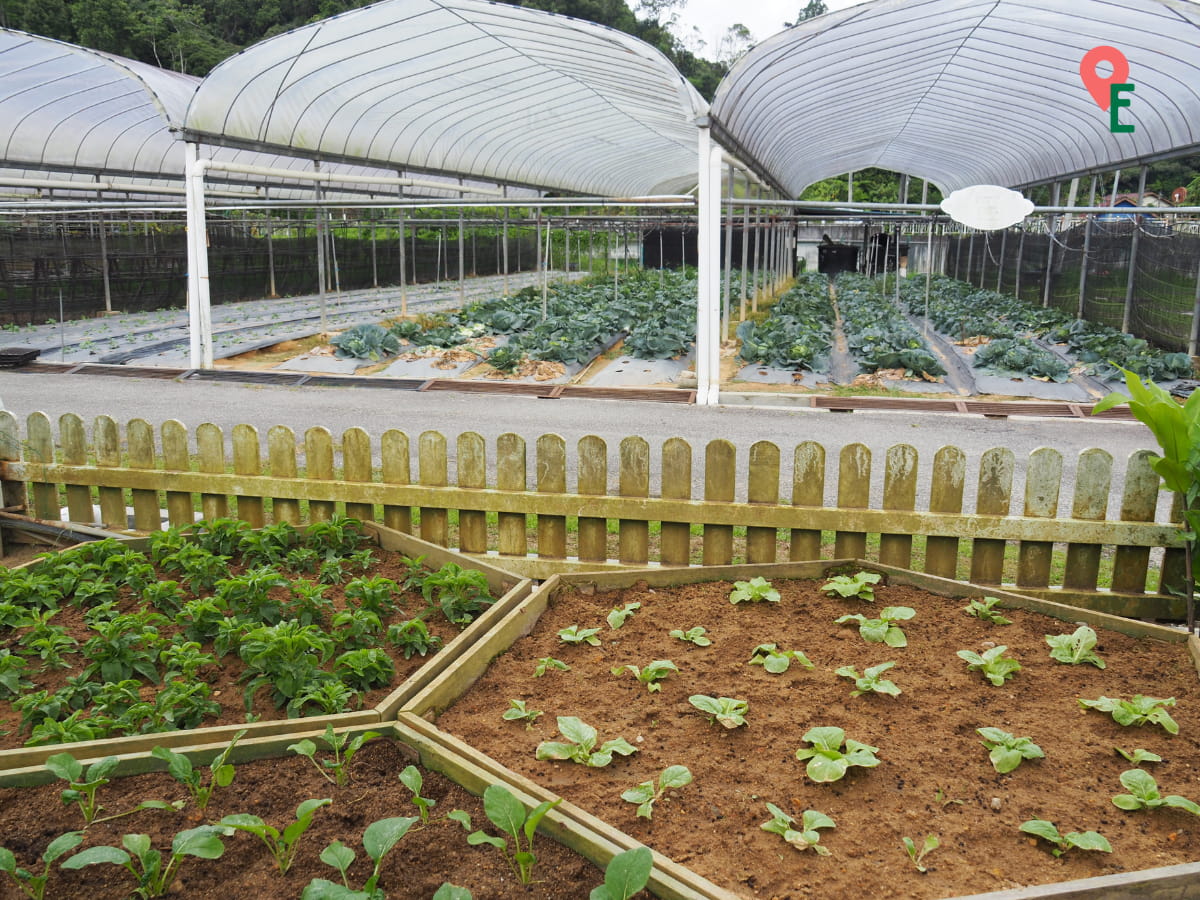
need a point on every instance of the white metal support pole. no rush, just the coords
(745, 248)
(1127, 315)
(270, 222)
(199, 311)
(1051, 227)
(321, 264)
(757, 252)
(504, 239)
(403, 260)
(1087, 250)
(104, 261)
(726, 296)
(462, 274)
(708, 349)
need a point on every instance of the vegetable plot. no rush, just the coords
(878, 334)
(795, 335)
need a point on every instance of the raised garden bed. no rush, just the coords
(934, 776)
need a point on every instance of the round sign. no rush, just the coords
(987, 207)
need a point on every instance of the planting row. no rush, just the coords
(796, 334)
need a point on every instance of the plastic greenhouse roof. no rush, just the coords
(963, 92)
(465, 87)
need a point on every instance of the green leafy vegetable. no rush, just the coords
(618, 617)
(508, 814)
(869, 682)
(1137, 710)
(573, 634)
(1075, 648)
(282, 845)
(1084, 840)
(729, 711)
(884, 629)
(580, 745)
(777, 661)
(991, 664)
(826, 761)
(1007, 752)
(918, 856)
(695, 635)
(860, 585)
(650, 674)
(645, 794)
(985, 610)
(806, 835)
(756, 590)
(1144, 794)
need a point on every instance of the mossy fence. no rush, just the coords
(529, 519)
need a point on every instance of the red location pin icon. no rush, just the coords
(1098, 85)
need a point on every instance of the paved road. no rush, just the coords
(376, 411)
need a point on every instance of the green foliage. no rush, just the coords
(878, 334)
(378, 840)
(1084, 840)
(309, 604)
(756, 590)
(1020, 356)
(281, 844)
(82, 786)
(344, 749)
(802, 838)
(154, 878)
(284, 657)
(1075, 648)
(412, 636)
(517, 712)
(508, 814)
(221, 771)
(412, 779)
(546, 663)
(777, 661)
(869, 682)
(985, 610)
(580, 745)
(646, 794)
(356, 628)
(883, 630)
(918, 856)
(1138, 756)
(461, 593)
(575, 635)
(796, 332)
(619, 616)
(368, 341)
(268, 546)
(375, 593)
(650, 674)
(326, 693)
(729, 711)
(338, 536)
(12, 675)
(34, 885)
(250, 594)
(991, 664)
(1144, 794)
(1007, 752)
(625, 875)
(694, 635)
(1137, 710)
(506, 359)
(826, 761)
(860, 585)
(184, 659)
(363, 670)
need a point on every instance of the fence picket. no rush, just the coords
(40, 448)
(433, 472)
(1093, 480)
(945, 496)
(1043, 479)
(854, 492)
(147, 514)
(633, 535)
(675, 541)
(318, 465)
(107, 440)
(472, 473)
(393, 448)
(177, 458)
(592, 481)
(1138, 504)
(10, 451)
(899, 493)
(808, 489)
(281, 457)
(356, 466)
(73, 438)
(1174, 565)
(994, 498)
(552, 479)
(247, 460)
(763, 488)
(720, 476)
(511, 476)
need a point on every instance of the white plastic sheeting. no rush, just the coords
(468, 87)
(963, 92)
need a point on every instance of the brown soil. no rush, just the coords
(934, 776)
(271, 789)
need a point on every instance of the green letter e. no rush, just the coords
(1116, 101)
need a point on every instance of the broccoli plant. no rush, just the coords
(826, 761)
(508, 814)
(625, 875)
(985, 611)
(870, 682)
(804, 837)
(756, 590)
(729, 711)
(645, 794)
(575, 635)
(1144, 794)
(1007, 752)
(413, 636)
(517, 712)
(860, 585)
(883, 630)
(580, 745)
(281, 844)
(181, 769)
(1084, 840)
(620, 615)
(378, 839)
(1137, 710)
(991, 664)
(777, 661)
(1075, 648)
(344, 748)
(650, 674)
(694, 635)
(82, 786)
(412, 779)
(146, 864)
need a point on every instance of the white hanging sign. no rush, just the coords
(987, 207)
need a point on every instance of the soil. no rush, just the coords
(934, 776)
(271, 789)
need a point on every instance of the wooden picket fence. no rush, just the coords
(570, 529)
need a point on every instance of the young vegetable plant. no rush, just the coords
(146, 864)
(1138, 756)
(645, 795)
(82, 787)
(991, 664)
(777, 661)
(573, 634)
(546, 663)
(1137, 710)
(1075, 648)
(756, 590)
(918, 856)
(625, 875)
(1144, 794)
(883, 630)
(692, 635)
(413, 637)
(826, 761)
(650, 674)
(1007, 752)
(517, 712)
(580, 745)
(870, 682)
(180, 768)
(344, 748)
(860, 585)
(729, 711)
(619, 616)
(985, 610)
(411, 778)
(804, 837)
(31, 885)
(508, 814)
(1084, 840)
(281, 844)
(378, 838)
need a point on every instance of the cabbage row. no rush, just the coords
(879, 335)
(795, 335)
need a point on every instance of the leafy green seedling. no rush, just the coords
(412, 637)
(645, 794)
(180, 768)
(625, 875)
(883, 630)
(1084, 840)
(281, 844)
(804, 837)
(860, 585)
(1137, 710)
(918, 856)
(650, 674)
(692, 635)
(449, 891)
(580, 745)
(729, 711)
(1075, 648)
(81, 788)
(1144, 794)
(378, 838)
(985, 610)
(826, 761)
(618, 617)
(146, 864)
(777, 661)
(411, 778)
(517, 712)
(573, 634)
(991, 665)
(1007, 752)
(546, 663)
(31, 885)
(508, 814)
(1139, 756)
(869, 682)
(343, 746)
(756, 590)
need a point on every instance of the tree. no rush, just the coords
(815, 8)
(734, 44)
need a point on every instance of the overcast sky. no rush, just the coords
(763, 17)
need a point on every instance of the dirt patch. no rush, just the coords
(934, 776)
